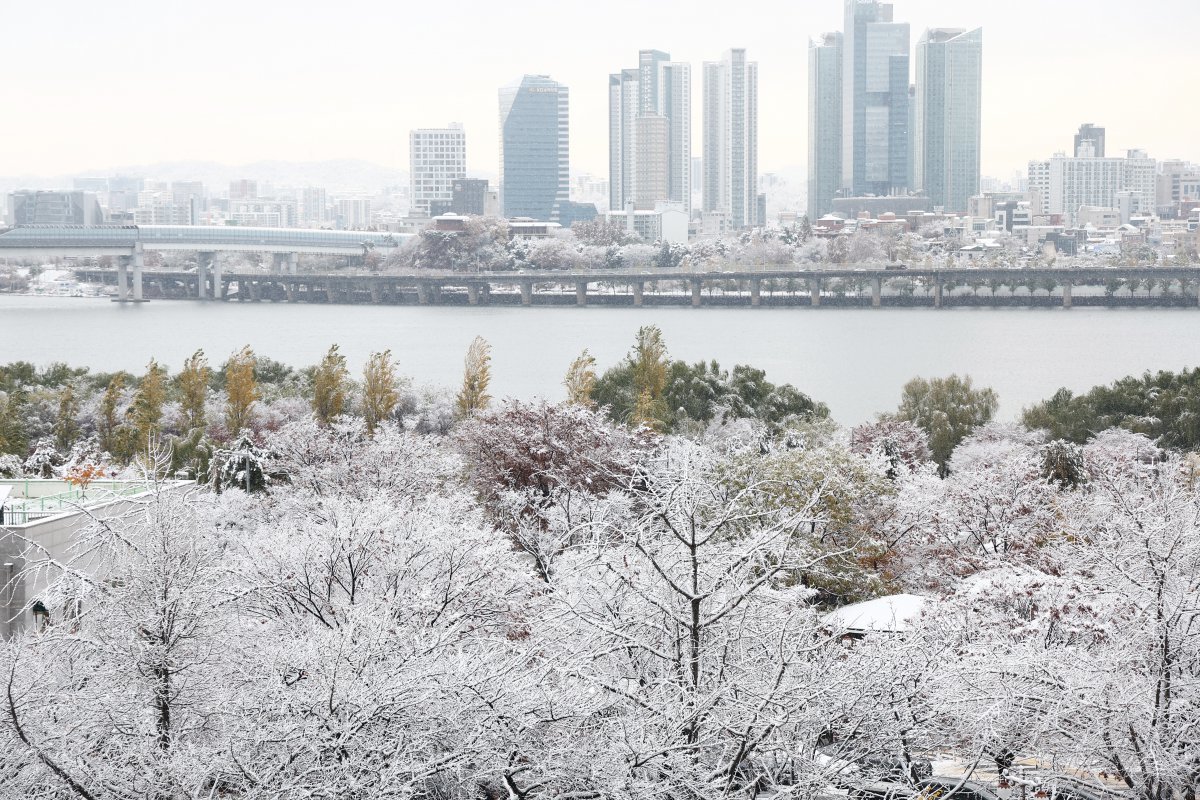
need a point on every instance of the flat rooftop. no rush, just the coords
(29, 500)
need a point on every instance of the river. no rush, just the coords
(855, 360)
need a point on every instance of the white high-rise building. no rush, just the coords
(1065, 184)
(436, 158)
(1038, 186)
(946, 142)
(731, 139)
(661, 89)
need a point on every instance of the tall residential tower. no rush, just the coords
(947, 118)
(534, 148)
(650, 132)
(731, 139)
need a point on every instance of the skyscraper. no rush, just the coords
(731, 138)
(658, 88)
(624, 106)
(436, 158)
(534, 148)
(824, 123)
(1089, 133)
(651, 180)
(875, 139)
(947, 135)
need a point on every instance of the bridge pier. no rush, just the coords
(138, 262)
(289, 289)
(422, 294)
(639, 289)
(293, 261)
(122, 280)
(697, 286)
(473, 294)
(755, 292)
(376, 293)
(206, 268)
(330, 292)
(1066, 294)
(814, 290)
(876, 292)
(581, 293)
(218, 286)
(526, 293)
(937, 292)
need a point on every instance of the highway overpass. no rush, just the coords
(128, 244)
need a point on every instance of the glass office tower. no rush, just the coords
(534, 148)
(947, 118)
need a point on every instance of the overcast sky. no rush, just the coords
(92, 84)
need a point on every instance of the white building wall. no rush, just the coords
(437, 157)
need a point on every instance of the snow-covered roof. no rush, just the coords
(892, 614)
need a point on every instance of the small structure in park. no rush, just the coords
(892, 614)
(40, 519)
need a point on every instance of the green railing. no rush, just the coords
(23, 510)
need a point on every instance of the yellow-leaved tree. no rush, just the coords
(477, 374)
(380, 391)
(241, 390)
(650, 365)
(147, 408)
(193, 390)
(329, 387)
(581, 380)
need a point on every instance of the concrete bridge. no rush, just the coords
(744, 286)
(127, 244)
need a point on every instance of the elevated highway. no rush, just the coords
(129, 243)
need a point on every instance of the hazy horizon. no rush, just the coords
(241, 83)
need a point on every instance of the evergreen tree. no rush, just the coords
(109, 421)
(12, 430)
(66, 426)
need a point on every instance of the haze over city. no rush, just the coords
(235, 82)
(600, 401)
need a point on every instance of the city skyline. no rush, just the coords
(1039, 66)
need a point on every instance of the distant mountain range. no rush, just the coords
(337, 175)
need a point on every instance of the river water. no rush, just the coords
(855, 360)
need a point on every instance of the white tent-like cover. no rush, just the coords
(892, 614)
